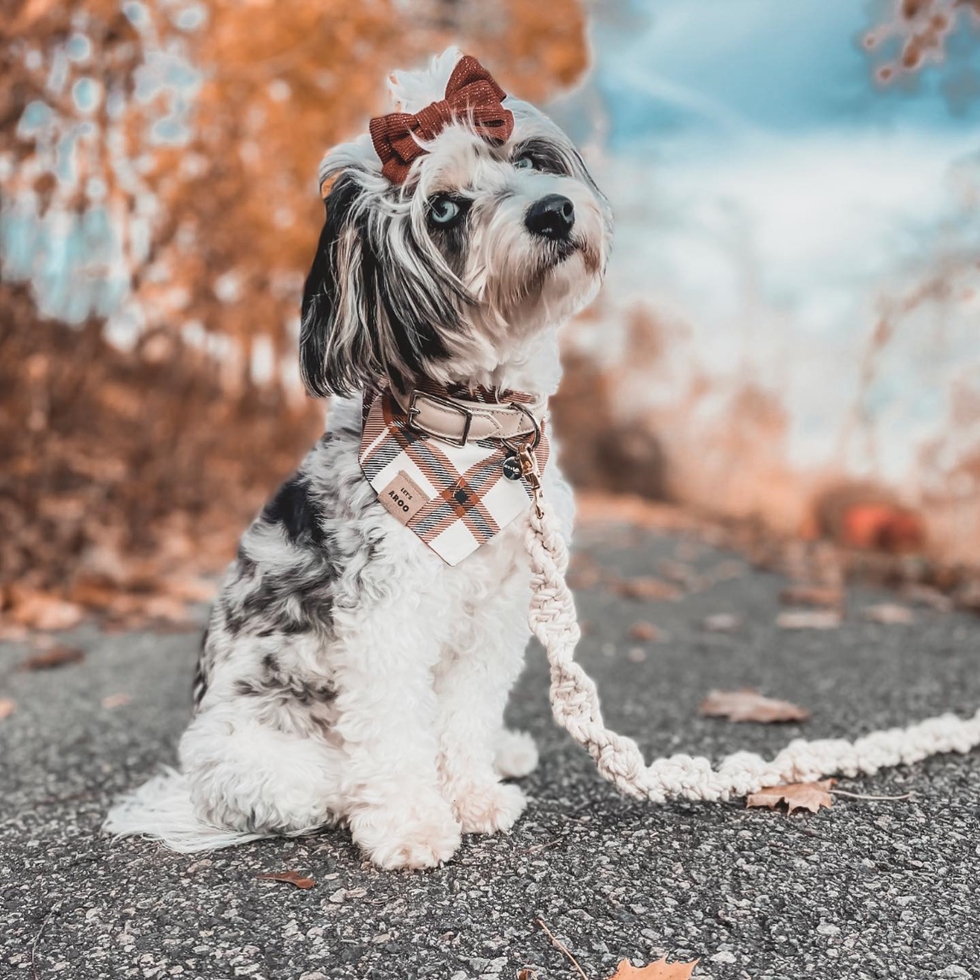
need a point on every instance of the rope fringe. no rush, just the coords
(575, 705)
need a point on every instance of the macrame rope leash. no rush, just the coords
(575, 704)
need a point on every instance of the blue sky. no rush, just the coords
(777, 66)
(770, 197)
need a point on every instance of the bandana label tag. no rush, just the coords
(403, 497)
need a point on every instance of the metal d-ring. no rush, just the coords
(537, 427)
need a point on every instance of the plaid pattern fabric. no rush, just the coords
(465, 499)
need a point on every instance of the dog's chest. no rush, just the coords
(493, 565)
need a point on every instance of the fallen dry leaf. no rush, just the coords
(812, 595)
(190, 589)
(882, 527)
(646, 587)
(13, 633)
(41, 611)
(796, 796)
(165, 608)
(116, 700)
(643, 630)
(7, 708)
(809, 619)
(967, 596)
(661, 970)
(92, 593)
(289, 877)
(889, 613)
(728, 569)
(681, 574)
(583, 572)
(924, 595)
(56, 656)
(722, 623)
(749, 705)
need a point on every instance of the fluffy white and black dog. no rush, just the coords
(348, 672)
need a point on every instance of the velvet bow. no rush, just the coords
(471, 93)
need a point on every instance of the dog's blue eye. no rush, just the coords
(443, 210)
(524, 162)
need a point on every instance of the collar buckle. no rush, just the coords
(413, 411)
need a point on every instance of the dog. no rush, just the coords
(350, 672)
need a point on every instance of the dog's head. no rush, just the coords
(475, 248)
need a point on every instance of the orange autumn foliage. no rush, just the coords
(237, 212)
(197, 145)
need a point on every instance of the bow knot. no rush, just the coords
(471, 94)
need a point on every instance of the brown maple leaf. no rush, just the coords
(750, 705)
(796, 796)
(289, 877)
(7, 708)
(661, 970)
(57, 656)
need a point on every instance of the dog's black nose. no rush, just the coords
(551, 217)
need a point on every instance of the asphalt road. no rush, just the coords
(868, 889)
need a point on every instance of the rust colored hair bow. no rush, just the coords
(471, 93)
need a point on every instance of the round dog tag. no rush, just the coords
(512, 468)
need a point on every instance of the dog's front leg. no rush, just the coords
(387, 719)
(482, 662)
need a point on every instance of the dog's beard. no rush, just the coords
(510, 272)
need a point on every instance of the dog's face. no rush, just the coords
(447, 274)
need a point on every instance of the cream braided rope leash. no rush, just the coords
(575, 704)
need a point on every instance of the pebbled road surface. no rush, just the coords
(869, 889)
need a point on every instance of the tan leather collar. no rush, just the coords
(459, 420)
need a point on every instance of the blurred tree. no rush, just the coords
(194, 132)
(158, 190)
(922, 29)
(913, 36)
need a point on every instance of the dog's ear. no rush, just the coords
(379, 298)
(336, 352)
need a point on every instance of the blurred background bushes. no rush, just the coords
(159, 215)
(788, 338)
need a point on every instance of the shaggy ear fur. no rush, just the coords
(379, 298)
(335, 352)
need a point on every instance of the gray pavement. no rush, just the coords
(869, 889)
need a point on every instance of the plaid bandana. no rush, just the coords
(455, 498)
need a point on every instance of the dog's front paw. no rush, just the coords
(409, 836)
(488, 808)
